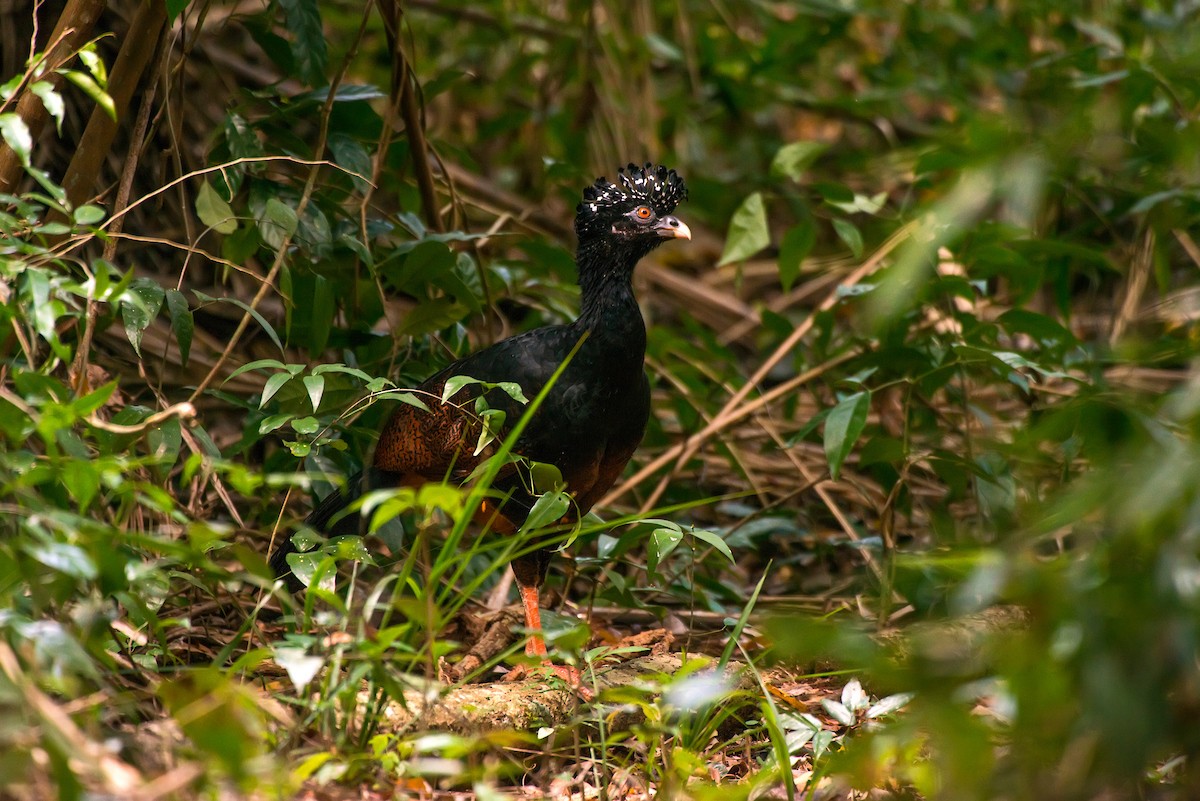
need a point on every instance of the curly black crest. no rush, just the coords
(658, 187)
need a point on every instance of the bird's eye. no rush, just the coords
(643, 213)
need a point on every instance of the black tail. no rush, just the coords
(319, 520)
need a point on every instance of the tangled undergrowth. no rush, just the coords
(922, 458)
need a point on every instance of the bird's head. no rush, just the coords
(635, 211)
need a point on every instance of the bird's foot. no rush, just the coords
(571, 676)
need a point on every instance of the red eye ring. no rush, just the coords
(643, 212)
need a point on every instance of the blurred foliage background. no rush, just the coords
(930, 354)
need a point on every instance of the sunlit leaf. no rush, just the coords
(792, 160)
(748, 233)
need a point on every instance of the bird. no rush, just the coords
(592, 419)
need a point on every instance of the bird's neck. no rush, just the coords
(608, 308)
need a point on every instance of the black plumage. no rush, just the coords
(594, 416)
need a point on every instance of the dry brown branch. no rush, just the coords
(70, 34)
(139, 45)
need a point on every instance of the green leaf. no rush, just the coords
(547, 509)
(262, 321)
(748, 233)
(88, 215)
(273, 422)
(455, 383)
(273, 385)
(182, 323)
(306, 425)
(51, 99)
(65, 558)
(513, 390)
(713, 539)
(793, 160)
(259, 364)
(213, 211)
(139, 306)
(350, 154)
(94, 399)
(175, 8)
(300, 667)
(848, 232)
(838, 711)
(308, 39)
(842, 428)
(315, 384)
(404, 397)
(93, 90)
(16, 136)
(278, 223)
(796, 244)
(431, 316)
(663, 540)
(82, 480)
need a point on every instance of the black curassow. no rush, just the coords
(594, 415)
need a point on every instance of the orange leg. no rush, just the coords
(537, 642)
(533, 621)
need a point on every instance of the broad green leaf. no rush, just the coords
(95, 65)
(273, 385)
(300, 667)
(431, 316)
(306, 425)
(315, 385)
(454, 383)
(887, 706)
(82, 480)
(713, 539)
(51, 99)
(321, 369)
(213, 211)
(94, 399)
(93, 90)
(278, 223)
(182, 323)
(16, 136)
(513, 390)
(259, 364)
(848, 232)
(267, 328)
(547, 510)
(65, 558)
(174, 9)
(662, 541)
(796, 244)
(308, 39)
(793, 160)
(838, 711)
(88, 215)
(854, 697)
(350, 154)
(320, 314)
(273, 422)
(748, 232)
(842, 428)
(404, 397)
(139, 306)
